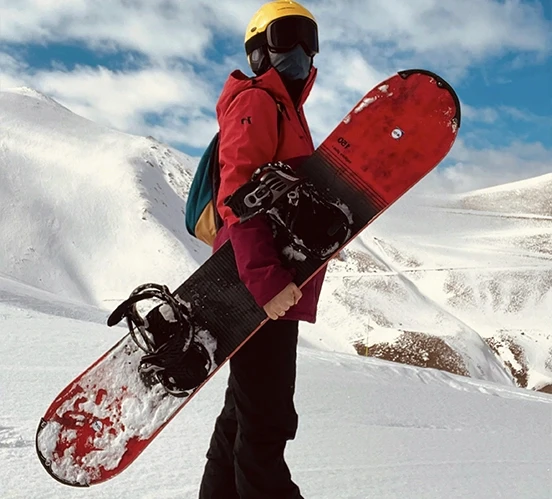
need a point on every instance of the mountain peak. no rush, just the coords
(84, 208)
(33, 93)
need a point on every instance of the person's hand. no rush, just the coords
(283, 301)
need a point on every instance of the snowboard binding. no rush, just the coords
(174, 356)
(269, 184)
(291, 202)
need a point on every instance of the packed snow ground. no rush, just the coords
(368, 428)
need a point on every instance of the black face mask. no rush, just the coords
(292, 65)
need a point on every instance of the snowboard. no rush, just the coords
(104, 419)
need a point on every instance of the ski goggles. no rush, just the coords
(285, 33)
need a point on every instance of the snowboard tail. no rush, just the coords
(100, 423)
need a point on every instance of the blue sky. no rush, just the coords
(156, 67)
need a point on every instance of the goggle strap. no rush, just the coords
(256, 42)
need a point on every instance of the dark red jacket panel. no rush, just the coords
(252, 134)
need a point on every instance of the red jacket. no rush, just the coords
(250, 136)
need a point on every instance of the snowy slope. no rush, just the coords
(533, 196)
(480, 280)
(86, 212)
(368, 428)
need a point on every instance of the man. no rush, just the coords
(261, 120)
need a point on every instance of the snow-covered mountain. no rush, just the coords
(462, 284)
(87, 212)
(526, 197)
(479, 280)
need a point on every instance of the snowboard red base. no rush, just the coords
(395, 135)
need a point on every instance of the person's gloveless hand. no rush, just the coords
(283, 301)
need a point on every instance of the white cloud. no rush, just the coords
(120, 99)
(363, 42)
(196, 131)
(479, 114)
(157, 28)
(449, 31)
(526, 116)
(10, 71)
(178, 98)
(471, 169)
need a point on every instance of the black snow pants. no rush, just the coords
(245, 459)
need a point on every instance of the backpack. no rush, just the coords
(202, 218)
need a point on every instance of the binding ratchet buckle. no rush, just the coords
(268, 185)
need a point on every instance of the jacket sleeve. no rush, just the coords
(249, 139)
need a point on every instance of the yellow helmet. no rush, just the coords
(298, 26)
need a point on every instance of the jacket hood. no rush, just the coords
(270, 81)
